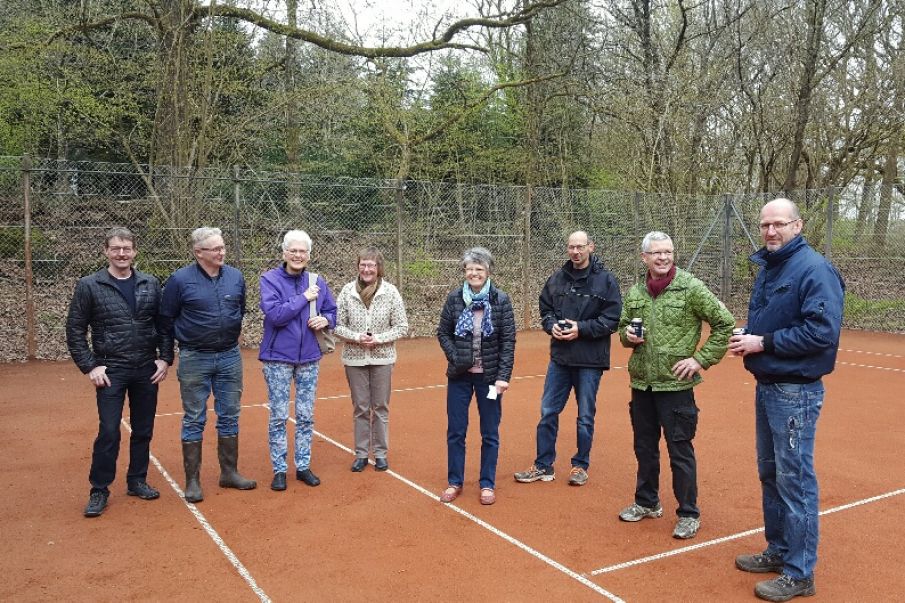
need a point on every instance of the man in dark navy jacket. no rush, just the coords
(128, 354)
(204, 303)
(794, 322)
(579, 307)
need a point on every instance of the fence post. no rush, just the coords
(526, 257)
(830, 216)
(237, 216)
(30, 328)
(400, 200)
(726, 277)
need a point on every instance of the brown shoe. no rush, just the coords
(488, 497)
(450, 494)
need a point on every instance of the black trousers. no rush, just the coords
(677, 415)
(136, 382)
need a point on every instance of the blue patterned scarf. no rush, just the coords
(473, 301)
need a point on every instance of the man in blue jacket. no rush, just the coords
(794, 321)
(128, 354)
(204, 303)
(579, 307)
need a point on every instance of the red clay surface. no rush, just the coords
(378, 537)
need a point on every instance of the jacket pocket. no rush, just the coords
(684, 424)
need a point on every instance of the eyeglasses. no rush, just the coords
(659, 254)
(576, 247)
(297, 252)
(121, 249)
(218, 249)
(764, 227)
(367, 264)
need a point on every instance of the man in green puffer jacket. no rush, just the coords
(664, 367)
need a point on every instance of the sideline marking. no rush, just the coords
(701, 545)
(227, 552)
(510, 539)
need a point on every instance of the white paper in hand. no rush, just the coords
(491, 395)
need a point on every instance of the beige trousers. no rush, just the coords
(370, 387)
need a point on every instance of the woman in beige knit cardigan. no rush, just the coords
(370, 318)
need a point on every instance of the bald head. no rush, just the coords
(780, 222)
(580, 247)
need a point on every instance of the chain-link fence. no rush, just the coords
(53, 216)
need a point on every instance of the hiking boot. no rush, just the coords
(686, 527)
(784, 588)
(142, 490)
(532, 474)
(636, 512)
(759, 563)
(97, 502)
(578, 476)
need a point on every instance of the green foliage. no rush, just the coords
(12, 243)
(421, 269)
(869, 313)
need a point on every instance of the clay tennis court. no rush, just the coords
(385, 536)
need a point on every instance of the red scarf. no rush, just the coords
(655, 286)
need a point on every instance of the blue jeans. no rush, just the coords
(142, 408)
(787, 416)
(458, 398)
(201, 373)
(279, 376)
(558, 384)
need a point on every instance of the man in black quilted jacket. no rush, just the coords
(128, 354)
(579, 308)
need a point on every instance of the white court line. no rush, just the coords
(885, 355)
(701, 545)
(511, 540)
(227, 552)
(879, 368)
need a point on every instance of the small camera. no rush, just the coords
(564, 325)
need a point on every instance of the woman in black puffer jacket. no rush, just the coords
(477, 334)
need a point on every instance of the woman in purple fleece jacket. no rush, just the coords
(289, 350)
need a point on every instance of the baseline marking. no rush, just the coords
(496, 531)
(701, 545)
(885, 355)
(870, 366)
(227, 552)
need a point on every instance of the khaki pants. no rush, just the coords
(370, 388)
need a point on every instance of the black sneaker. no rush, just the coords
(784, 588)
(97, 502)
(381, 464)
(759, 563)
(142, 490)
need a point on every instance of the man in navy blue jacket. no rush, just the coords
(794, 321)
(204, 303)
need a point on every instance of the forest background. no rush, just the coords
(433, 126)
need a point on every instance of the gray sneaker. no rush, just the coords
(784, 588)
(636, 512)
(759, 563)
(532, 474)
(578, 476)
(686, 527)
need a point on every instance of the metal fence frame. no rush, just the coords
(53, 215)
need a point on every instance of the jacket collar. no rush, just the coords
(763, 257)
(594, 266)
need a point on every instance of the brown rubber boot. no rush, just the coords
(191, 459)
(228, 452)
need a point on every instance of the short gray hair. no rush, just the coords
(480, 256)
(296, 235)
(119, 232)
(654, 235)
(200, 235)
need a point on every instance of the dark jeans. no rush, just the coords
(559, 382)
(677, 414)
(458, 398)
(142, 408)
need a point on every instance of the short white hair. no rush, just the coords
(296, 235)
(200, 235)
(652, 236)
